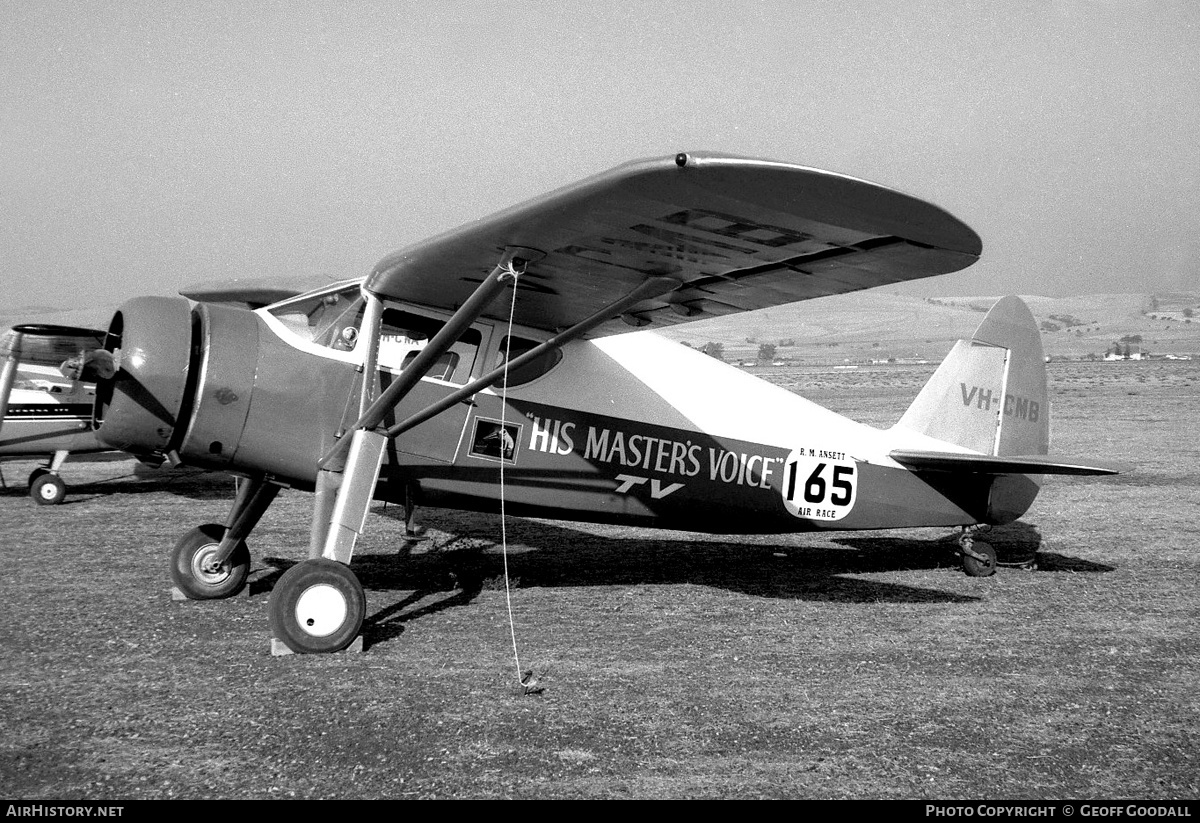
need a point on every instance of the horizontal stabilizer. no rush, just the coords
(1008, 464)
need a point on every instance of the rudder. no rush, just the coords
(989, 394)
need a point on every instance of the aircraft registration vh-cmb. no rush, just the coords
(419, 385)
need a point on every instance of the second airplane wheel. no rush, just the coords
(317, 607)
(47, 489)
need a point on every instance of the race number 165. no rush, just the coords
(818, 489)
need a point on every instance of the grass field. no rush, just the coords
(674, 665)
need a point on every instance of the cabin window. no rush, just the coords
(331, 320)
(402, 336)
(515, 347)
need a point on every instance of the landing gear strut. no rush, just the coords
(978, 557)
(212, 561)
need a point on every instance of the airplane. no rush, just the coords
(44, 412)
(419, 385)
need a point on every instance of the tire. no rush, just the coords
(36, 473)
(188, 565)
(980, 568)
(47, 489)
(317, 607)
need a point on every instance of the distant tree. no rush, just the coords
(1048, 326)
(712, 349)
(1132, 338)
(1189, 313)
(766, 352)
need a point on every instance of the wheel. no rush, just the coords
(975, 567)
(192, 569)
(317, 607)
(47, 489)
(36, 473)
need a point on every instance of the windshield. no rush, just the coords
(332, 319)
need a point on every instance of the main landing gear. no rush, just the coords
(978, 557)
(45, 486)
(212, 562)
(200, 573)
(317, 605)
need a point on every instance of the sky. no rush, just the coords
(149, 146)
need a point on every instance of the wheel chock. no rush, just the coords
(280, 649)
(177, 595)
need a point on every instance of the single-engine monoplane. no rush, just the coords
(419, 384)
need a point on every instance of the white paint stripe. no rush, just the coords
(724, 401)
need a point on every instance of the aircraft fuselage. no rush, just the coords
(631, 429)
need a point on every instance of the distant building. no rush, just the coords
(1128, 352)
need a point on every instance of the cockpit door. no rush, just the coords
(403, 333)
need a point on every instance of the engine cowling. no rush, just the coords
(184, 380)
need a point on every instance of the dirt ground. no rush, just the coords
(671, 665)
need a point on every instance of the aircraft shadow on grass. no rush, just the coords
(464, 560)
(1017, 544)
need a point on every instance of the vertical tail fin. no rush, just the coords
(989, 394)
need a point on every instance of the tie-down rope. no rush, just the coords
(526, 679)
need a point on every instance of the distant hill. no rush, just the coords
(880, 325)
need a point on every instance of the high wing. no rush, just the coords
(988, 464)
(737, 233)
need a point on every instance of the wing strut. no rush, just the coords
(653, 287)
(511, 265)
(349, 472)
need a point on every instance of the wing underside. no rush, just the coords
(737, 234)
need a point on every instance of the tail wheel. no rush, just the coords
(47, 489)
(317, 607)
(982, 565)
(196, 574)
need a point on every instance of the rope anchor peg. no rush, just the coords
(531, 681)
